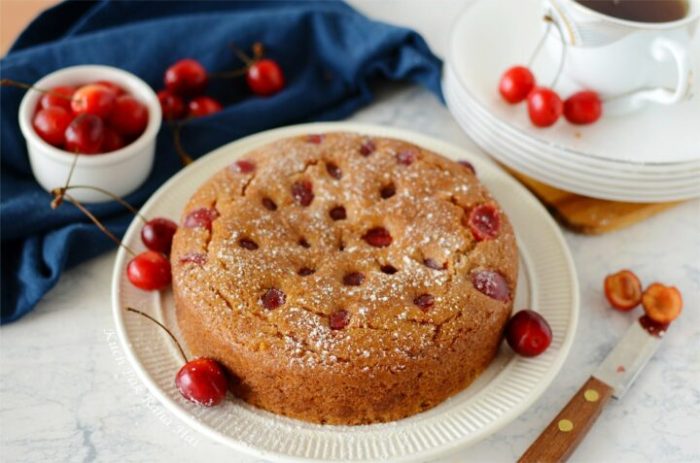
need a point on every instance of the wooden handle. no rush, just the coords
(566, 431)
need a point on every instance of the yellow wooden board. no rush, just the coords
(589, 215)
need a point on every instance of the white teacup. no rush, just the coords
(629, 63)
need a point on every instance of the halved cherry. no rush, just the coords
(623, 290)
(663, 304)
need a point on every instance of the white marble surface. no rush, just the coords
(67, 393)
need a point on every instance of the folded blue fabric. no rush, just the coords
(330, 55)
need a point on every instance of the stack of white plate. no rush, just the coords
(650, 156)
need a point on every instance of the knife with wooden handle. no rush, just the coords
(612, 379)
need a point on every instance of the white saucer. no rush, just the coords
(509, 386)
(618, 158)
(585, 180)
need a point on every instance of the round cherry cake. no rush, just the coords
(344, 279)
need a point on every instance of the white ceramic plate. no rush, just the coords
(555, 155)
(594, 183)
(526, 160)
(512, 28)
(509, 386)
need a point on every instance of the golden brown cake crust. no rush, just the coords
(394, 351)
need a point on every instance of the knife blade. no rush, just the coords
(624, 363)
(612, 378)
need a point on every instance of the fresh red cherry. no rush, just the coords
(93, 99)
(129, 116)
(85, 134)
(118, 91)
(172, 105)
(58, 96)
(583, 108)
(149, 270)
(516, 83)
(51, 123)
(186, 77)
(157, 234)
(202, 381)
(203, 106)
(265, 77)
(112, 141)
(528, 333)
(544, 106)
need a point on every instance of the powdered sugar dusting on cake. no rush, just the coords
(414, 201)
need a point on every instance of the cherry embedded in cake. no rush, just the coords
(373, 272)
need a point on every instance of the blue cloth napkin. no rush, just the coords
(330, 54)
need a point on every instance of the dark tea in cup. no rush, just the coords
(645, 11)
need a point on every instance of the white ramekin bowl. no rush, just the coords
(119, 172)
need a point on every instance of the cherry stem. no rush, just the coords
(70, 172)
(551, 20)
(243, 57)
(185, 158)
(118, 199)
(536, 52)
(61, 193)
(228, 74)
(258, 51)
(14, 83)
(172, 336)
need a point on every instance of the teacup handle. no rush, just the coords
(661, 49)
